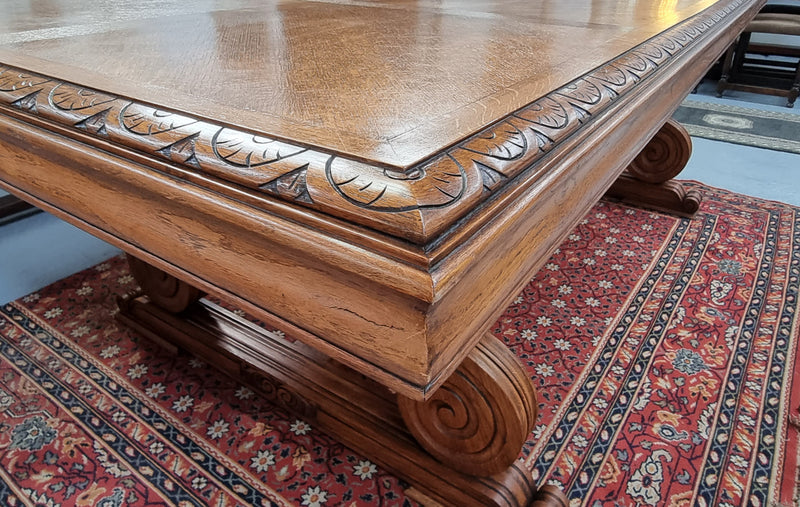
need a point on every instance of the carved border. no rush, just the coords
(400, 203)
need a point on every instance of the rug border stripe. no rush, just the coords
(137, 401)
(32, 363)
(645, 353)
(578, 383)
(789, 490)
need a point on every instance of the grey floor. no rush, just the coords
(41, 249)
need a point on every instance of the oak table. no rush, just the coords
(377, 179)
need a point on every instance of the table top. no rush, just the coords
(386, 82)
(378, 179)
(353, 108)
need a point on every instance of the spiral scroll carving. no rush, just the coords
(665, 155)
(277, 392)
(164, 290)
(479, 419)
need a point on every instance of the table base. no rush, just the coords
(323, 392)
(648, 180)
(669, 196)
(12, 208)
(467, 457)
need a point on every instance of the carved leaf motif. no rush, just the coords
(680, 37)
(611, 75)
(667, 44)
(28, 102)
(181, 151)
(73, 98)
(542, 142)
(440, 183)
(490, 176)
(95, 124)
(652, 51)
(691, 31)
(242, 150)
(504, 142)
(545, 112)
(12, 80)
(292, 184)
(583, 91)
(635, 64)
(148, 121)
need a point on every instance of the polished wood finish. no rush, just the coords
(459, 156)
(357, 411)
(392, 82)
(164, 290)
(648, 180)
(150, 187)
(381, 196)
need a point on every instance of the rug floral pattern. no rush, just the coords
(660, 347)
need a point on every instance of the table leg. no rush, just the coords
(732, 63)
(460, 447)
(647, 181)
(163, 289)
(479, 419)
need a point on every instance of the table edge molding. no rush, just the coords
(417, 203)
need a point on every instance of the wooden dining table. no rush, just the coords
(378, 180)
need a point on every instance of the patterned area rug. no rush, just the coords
(663, 349)
(741, 125)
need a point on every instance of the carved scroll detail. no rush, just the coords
(477, 421)
(396, 202)
(648, 178)
(277, 392)
(164, 290)
(665, 155)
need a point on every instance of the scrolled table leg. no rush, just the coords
(479, 419)
(163, 289)
(468, 436)
(665, 156)
(648, 179)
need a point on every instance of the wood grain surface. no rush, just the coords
(377, 179)
(395, 271)
(270, 97)
(364, 415)
(389, 82)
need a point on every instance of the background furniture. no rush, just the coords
(765, 68)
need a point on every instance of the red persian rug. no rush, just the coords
(665, 351)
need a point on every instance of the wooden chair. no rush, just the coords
(745, 67)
